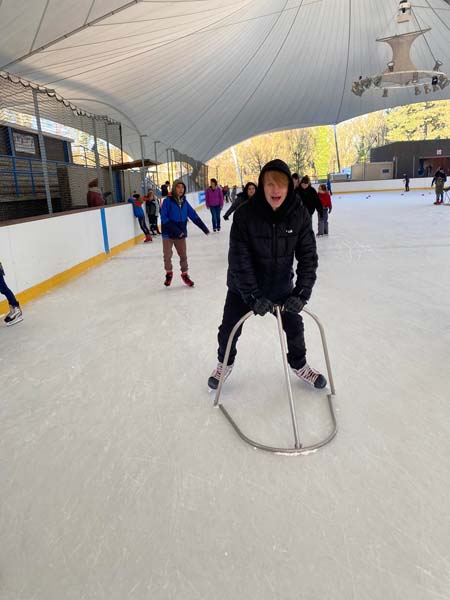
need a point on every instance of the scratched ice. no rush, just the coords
(120, 481)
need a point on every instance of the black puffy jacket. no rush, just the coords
(264, 242)
(310, 200)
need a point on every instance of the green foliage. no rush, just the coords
(312, 151)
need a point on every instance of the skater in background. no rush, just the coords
(175, 213)
(329, 190)
(94, 197)
(233, 193)
(406, 181)
(248, 192)
(138, 212)
(296, 180)
(267, 233)
(152, 206)
(438, 181)
(226, 193)
(214, 201)
(15, 312)
(325, 200)
(165, 189)
(309, 197)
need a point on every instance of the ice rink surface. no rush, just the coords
(119, 481)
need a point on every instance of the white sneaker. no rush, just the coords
(213, 381)
(14, 316)
(311, 376)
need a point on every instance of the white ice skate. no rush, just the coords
(14, 316)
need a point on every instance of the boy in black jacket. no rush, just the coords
(267, 232)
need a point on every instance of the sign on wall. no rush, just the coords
(24, 143)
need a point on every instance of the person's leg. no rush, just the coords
(214, 218)
(295, 337)
(234, 309)
(143, 225)
(180, 247)
(218, 211)
(293, 326)
(4, 289)
(321, 224)
(167, 253)
(325, 221)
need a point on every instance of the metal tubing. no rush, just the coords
(325, 348)
(227, 353)
(111, 179)
(37, 114)
(286, 374)
(298, 449)
(97, 157)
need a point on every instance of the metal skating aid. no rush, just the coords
(298, 448)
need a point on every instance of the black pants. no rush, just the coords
(235, 308)
(143, 225)
(153, 220)
(4, 289)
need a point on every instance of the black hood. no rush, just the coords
(259, 197)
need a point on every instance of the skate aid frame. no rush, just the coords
(298, 448)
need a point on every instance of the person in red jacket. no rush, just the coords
(94, 196)
(325, 200)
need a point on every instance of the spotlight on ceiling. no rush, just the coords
(391, 65)
(437, 65)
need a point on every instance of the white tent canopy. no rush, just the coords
(202, 75)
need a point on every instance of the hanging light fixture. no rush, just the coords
(401, 72)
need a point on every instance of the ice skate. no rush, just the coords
(169, 277)
(311, 376)
(213, 381)
(187, 280)
(14, 316)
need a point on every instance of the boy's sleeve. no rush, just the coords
(193, 216)
(169, 227)
(307, 260)
(240, 261)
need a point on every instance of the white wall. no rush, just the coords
(380, 185)
(34, 251)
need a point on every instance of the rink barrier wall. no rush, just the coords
(63, 247)
(384, 185)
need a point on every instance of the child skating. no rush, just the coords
(175, 212)
(325, 200)
(138, 212)
(267, 233)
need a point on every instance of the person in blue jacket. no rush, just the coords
(175, 212)
(138, 212)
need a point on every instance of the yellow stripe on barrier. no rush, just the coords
(61, 278)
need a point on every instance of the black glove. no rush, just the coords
(225, 218)
(262, 306)
(294, 304)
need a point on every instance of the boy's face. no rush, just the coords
(296, 182)
(251, 191)
(179, 189)
(304, 185)
(275, 192)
